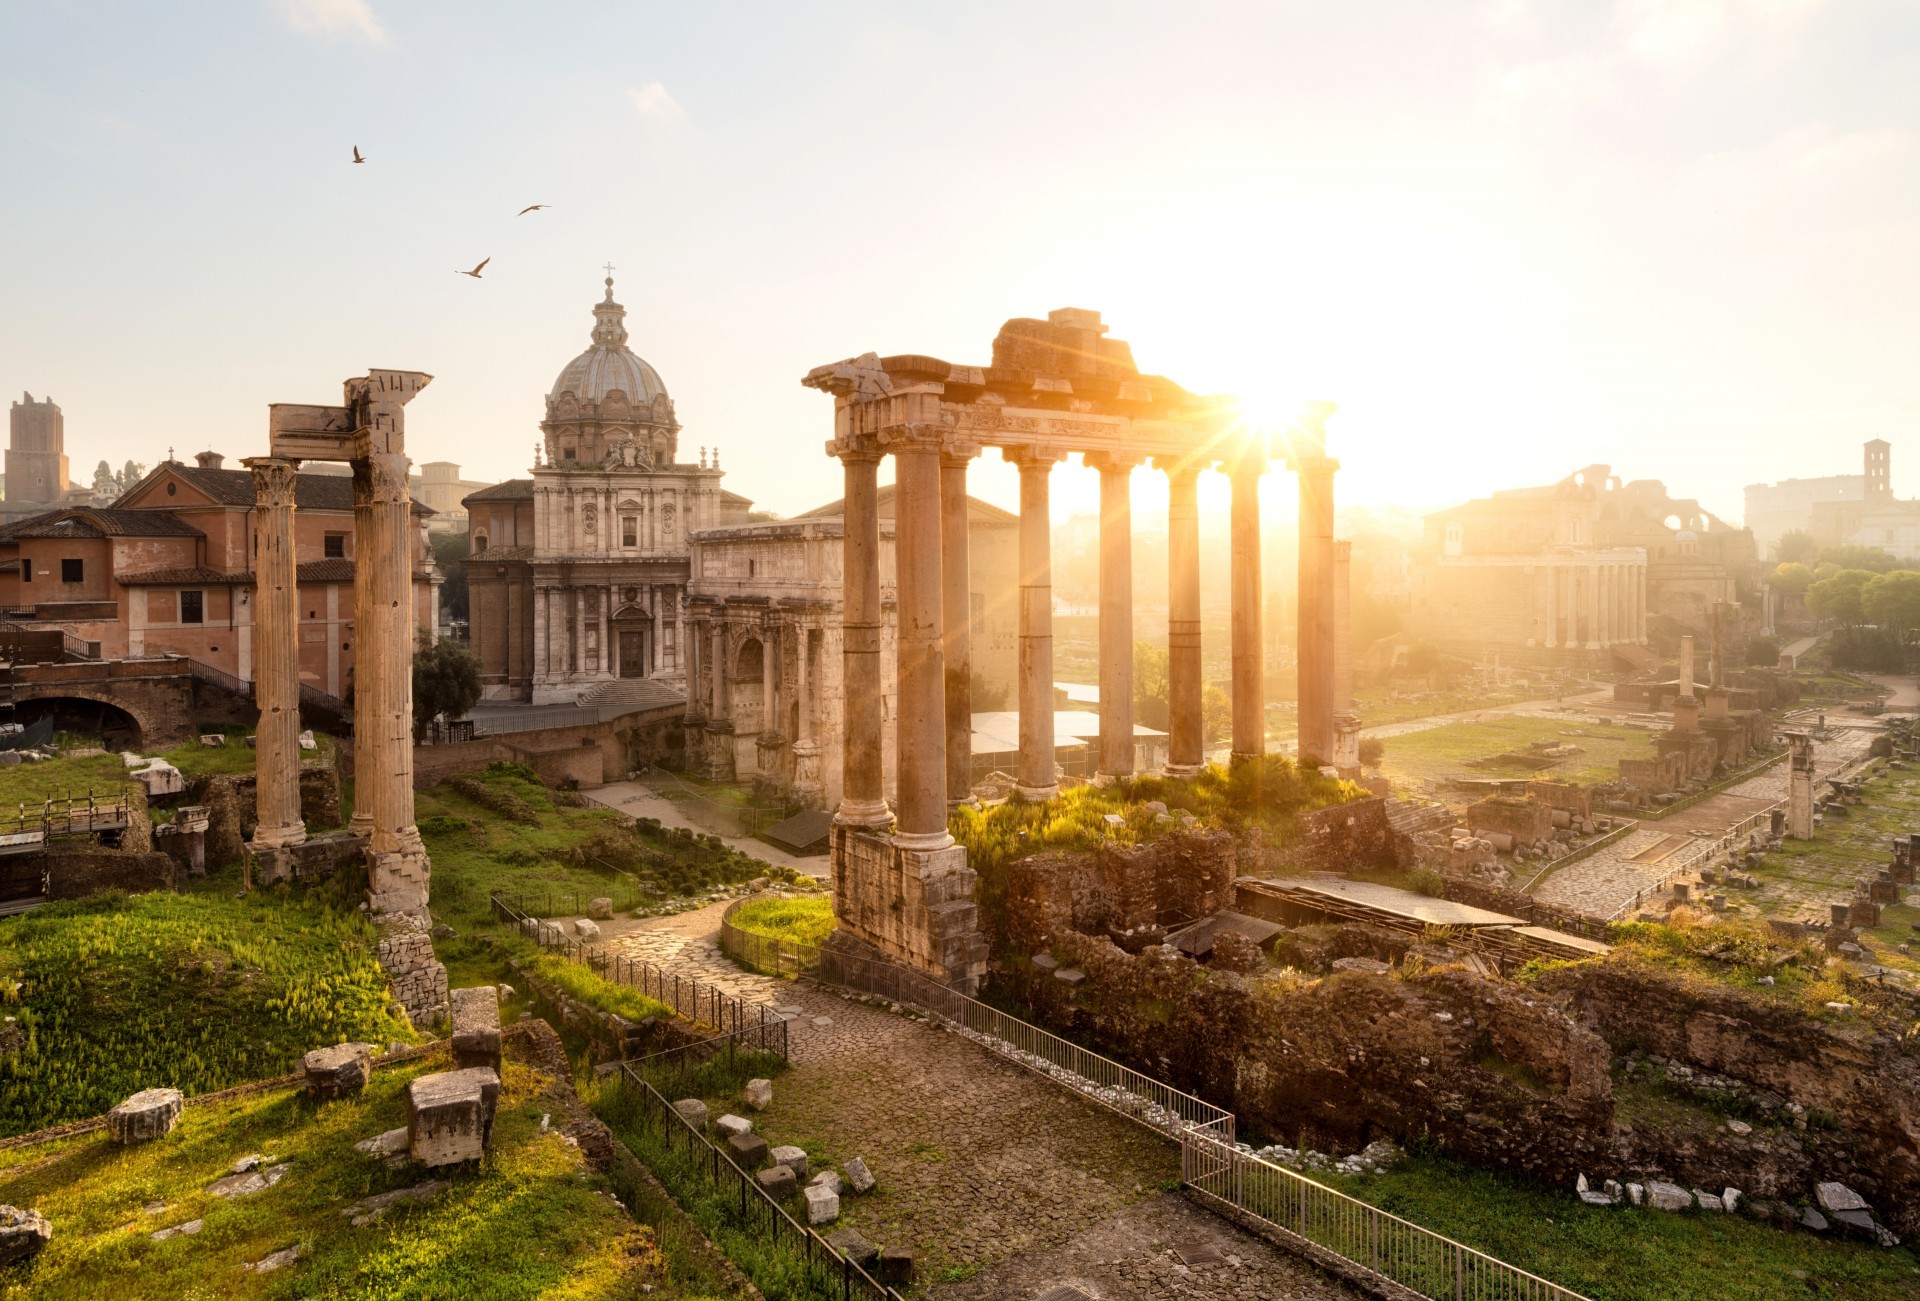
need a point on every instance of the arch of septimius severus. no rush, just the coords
(1054, 388)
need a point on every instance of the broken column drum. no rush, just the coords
(1054, 388)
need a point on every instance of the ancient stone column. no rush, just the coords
(863, 799)
(1249, 659)
(1038, 778)
(920, 804)
(276, 656)
(1315, 638)
(1186, 740)
(956, 611)
(397, 860)
(1116, 613)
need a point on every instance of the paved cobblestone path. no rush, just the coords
(984, 1169)
(1605, 881)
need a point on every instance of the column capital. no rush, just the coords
(274, 478)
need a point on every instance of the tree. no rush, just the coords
(1792, 579)
(446, 680)
(1871, 559)
(450, 557)
(1795, 545)
(104, 484)
(1892, 600)
(1839, 598)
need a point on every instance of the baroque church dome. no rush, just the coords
(609, 364)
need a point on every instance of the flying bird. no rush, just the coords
(356, 155)
(475, 273)
(532, 207)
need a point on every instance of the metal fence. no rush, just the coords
(1307, 1214)
(695, 1000)
(755, 1210)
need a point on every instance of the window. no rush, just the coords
(193, 607)
(334, 546)
(73, 571)
(629, 531)
(26, 571)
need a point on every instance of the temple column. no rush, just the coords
(276, 657)
(1038, 778)
(921, 737)
(1315, 639)
(1116, 613)
(1186, 738)
(1249, 659)
(956, 610)
(398, 868)
(862, 791)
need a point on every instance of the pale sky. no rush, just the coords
(1510, 239)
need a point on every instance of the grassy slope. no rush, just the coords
(196, 991)
(1628, 1255)
(529, 1222)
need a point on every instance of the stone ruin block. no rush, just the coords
(147, 1115)
(475, 1015)
(450, 1115)
(337, 1071)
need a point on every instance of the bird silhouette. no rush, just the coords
(356, 155)
(532, 207)
(475, 273)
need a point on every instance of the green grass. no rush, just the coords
(807, 920)
(1631, 1255)
(198, 992)
(530, 1221)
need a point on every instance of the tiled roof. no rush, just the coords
(510, 490)
(101, 522)
(310, 491)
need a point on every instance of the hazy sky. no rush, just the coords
(1510, 239)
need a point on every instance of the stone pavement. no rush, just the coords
(1607, 880)
(982, 1166)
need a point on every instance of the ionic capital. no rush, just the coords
(274, 480)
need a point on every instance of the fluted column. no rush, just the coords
(1315, 638)
(276, 657)
(862, 798)
(1116, 612)
(956, 609)
(1249, 658)
(920, 802)
(1038, 778)
(1186, 740)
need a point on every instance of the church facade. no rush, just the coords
(577, 577)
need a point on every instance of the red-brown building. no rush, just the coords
(167, 569)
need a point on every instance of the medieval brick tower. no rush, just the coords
(36, 452)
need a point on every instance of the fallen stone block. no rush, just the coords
(896, 1266)
(823, 1204)
(777, 1182)
(852, 1244)
(601, 909)
(337, 1071)
(450, 1115)
(859, 1178)
(758, 1094)
(693, 1111)
(731, 1124)
(749, 1151)
(23, 1231)
(474, 1013)
(147, 1115)
(793, 1158)
(1663, 1196)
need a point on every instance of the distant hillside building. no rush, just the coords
(168, 569)
(577, 577)
(36, 474)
